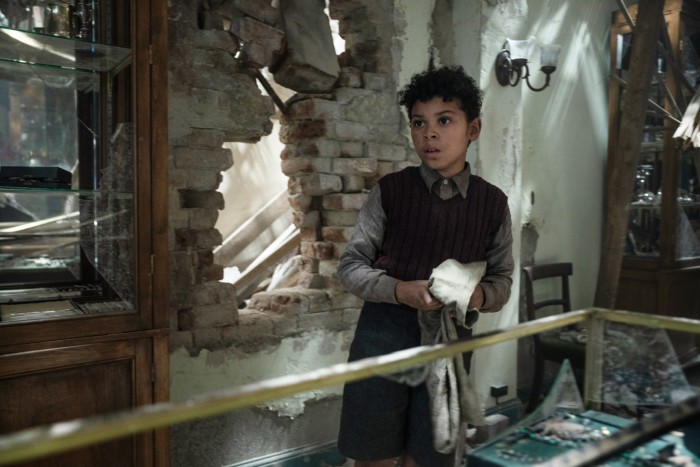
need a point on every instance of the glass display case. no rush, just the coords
(661, 265)
(66, 160)
(83, 224)
(672, 88)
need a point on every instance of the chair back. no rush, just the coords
(546, 271)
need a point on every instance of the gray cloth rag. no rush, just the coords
(453, 398)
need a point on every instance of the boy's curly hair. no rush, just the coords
(446, 82)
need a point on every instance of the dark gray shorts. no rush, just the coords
(382, 419)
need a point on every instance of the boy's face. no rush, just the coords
(441, 134)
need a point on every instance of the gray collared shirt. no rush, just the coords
(355, 269)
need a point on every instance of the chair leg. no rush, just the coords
(537, 381)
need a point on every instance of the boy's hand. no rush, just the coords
(477, 298)
(416, 295)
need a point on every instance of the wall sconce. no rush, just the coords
(511, 62)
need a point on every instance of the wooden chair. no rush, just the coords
(550, 346)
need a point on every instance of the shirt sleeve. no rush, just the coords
(498, 279)
(355, 269)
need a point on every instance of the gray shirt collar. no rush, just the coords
(461, 180)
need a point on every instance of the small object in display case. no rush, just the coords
(35, 177)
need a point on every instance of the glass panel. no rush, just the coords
(25, 46)
(688, 226)
(644, 232)
(643, 235)
(688, 245)
(66, 166)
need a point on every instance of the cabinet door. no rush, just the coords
(76, 203)
(664, 222)
(49, 386)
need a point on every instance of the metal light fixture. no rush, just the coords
(511, 62)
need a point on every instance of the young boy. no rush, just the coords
(412, 221)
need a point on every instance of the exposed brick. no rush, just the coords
(189, 158)
(205, 138)
(208, 294)
(260, 9)
(315, 109)
(249, 29)
(311, 281)
(203, 179)
(383, 132)
(328, 268)
(262, 43)
(185, 238)
(326, 320)
(349, 95)
(319, 250)
(203, 218)
(215, 272)
(344, 300)
(290, 301)
(285, 326)
(315, 184)
(206, 316)
(350, 77)
(374, 81)
(251, 324)
(301, 202)
(353, 183)
(256, 56)
(386, 152)
(179, 339)
(307, 220)
(340, 218)
(215, 39)
(351, 149)
(205, 258)
(190, 238)
(214, 59)
(208, 338)
(213, 98)
(356, 166)
(300, 165)
(336, 234)
(320, 147)
(385, 168)
(344, 202)
(350, 131)
(202, 199)
(177, 178)
(209, 238)
(293, 131)
(309, 265)
(309, 234)
(310, 63)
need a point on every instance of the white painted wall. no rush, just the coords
(551, 143)
(566, 135)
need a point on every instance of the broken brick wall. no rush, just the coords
(339, 139)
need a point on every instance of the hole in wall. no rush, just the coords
(260, 242)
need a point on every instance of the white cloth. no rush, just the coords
(453, 398)
(688, 130)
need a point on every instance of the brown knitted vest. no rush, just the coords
(424, 230)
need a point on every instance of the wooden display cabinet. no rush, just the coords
(83, 219)
(661, 267)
